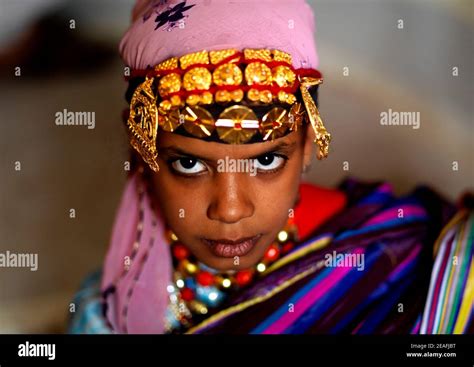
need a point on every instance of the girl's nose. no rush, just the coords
(231, 199)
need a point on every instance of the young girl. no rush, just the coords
(216, 233)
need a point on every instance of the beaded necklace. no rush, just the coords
(198, 291)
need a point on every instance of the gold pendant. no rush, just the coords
(323, 138)
(143, 123)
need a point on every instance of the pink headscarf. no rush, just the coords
(286, 25)
(163, 29)
(139, 301)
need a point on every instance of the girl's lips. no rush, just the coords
(229, 248)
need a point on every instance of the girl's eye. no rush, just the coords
(188, 166)
(269, 162)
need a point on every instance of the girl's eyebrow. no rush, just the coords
(281, 147)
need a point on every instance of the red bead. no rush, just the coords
(205, 278)
(287, 247)
(243, 277)
(180, 251)
(272, 253)
(187, 294)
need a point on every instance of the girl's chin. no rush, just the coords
(227, 264)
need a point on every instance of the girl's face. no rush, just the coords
(225, 202)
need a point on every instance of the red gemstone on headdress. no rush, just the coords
(205, 278)
(238, 125)
(243, 277)
(187, 294)
(180, 251)
(272, 253)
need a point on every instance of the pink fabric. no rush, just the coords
(287, 25)
(149, 272)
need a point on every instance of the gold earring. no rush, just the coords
(322, 137)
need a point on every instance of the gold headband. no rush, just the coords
(177, 95)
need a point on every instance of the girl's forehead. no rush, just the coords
(175, 144)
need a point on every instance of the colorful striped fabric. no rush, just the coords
(449, 306)
(304, 301)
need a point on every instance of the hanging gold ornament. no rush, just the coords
(322, 137)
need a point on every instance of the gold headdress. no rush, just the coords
(231, 96)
